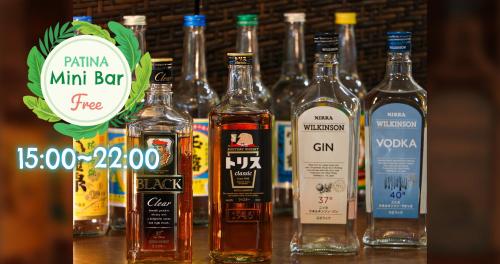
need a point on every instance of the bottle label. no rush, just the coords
(361, 156)
(246, 166)
(284, 151)
(158, 190)
(90, 197)
(117, 177)
(396, 134)
(323, 165)
(200, 157)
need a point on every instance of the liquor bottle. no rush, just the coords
(117, 138)
(90, 194)
(246, 42)
(325, 135)
(396, 133)
(240, 172)
(159, 201)
(348, 75)
(195, 96)
(293, 80)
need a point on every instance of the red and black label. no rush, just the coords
(246, 166)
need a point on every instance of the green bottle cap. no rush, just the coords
(247, 20)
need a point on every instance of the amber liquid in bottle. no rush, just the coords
(251, 235)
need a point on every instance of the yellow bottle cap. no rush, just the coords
(345, 18)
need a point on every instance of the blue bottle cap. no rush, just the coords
(83, 18)
(194, 21)
(398, 41)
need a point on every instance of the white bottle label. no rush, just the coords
(323, 165)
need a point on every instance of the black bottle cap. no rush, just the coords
(162, 72)
(326, 42)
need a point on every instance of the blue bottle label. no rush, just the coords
(396, 135)
(284, 151)
(117, 177)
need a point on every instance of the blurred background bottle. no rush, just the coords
(194, 95)
(90, 193)
(293, 80)
(348, 75)
(117, 138)
(246, 41)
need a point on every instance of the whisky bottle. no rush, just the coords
(348, 75)
(159, 201)
(117, 138)
(292, 81)
(246, 42)
(194, 95)
(396, 143)
(325, 135)
(90, 193)
(240, 170)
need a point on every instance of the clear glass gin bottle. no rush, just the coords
(194, 95)
(325, 134)
(396, 143)
(90, 193)
(117, 138)
(240, 171)
(293, 80)
(348, 75)
(159, 201)
(246, 41)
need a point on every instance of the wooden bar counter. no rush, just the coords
(111, 248)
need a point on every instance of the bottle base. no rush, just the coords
(324, 246)
(394, 242)
(90, 228)
(238, 257)
(158, 257)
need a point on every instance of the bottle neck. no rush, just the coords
(140, 34)
(240, 85)
(193, 63)
(325, 67)
(398, 66)
(159, 94)
(246, 41)
(294, 63)
(347, 51)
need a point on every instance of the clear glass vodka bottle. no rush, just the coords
(117, 138)
(246, 41)
(396, 143)
(159, 216)
(348, 75)
(325, 134)
(194, 95)
(293, 80)
(240, 171)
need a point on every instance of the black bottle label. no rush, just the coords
(246, 166)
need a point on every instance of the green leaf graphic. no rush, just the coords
(40, 108)
(35, 63)
(139, 86)
(79, 132)
(128, 43)
(94, 30)
(127, 116)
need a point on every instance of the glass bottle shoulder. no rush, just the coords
(399, 91)
(160, 118)
(284, 92)
(354, 84)
(325, 92)
(195, 97)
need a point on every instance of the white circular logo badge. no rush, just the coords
(86, 80)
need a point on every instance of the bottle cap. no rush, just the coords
(399, 41)
(83, 18)
(345, 18)
(295, 17)
(239, 58)
(162, 72)
(326, 42)
(247, 20)
(134, 20)
(194, 21)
